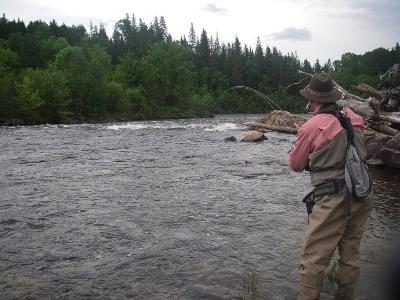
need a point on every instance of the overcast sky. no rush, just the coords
(312, 28)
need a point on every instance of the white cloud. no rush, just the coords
(212, 8)
(292, 33)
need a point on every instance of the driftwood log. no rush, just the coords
(364, 110)
(384, 129)
(255, 125)
(361, 108)
(369, 90)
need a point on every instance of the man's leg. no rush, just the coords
(326, 227)
(349, 246)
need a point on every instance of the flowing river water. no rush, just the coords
(162, 210)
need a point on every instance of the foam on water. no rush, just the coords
(132, 126)
(176, 125)
(224, 127)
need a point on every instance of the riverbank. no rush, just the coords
(110, 119)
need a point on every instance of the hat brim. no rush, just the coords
(324, 97)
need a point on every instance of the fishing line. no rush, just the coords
(294, 83)
(271, 103)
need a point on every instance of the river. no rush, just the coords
(161, 210)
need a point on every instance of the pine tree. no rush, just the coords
(163, 29)
(317, 67)
(306, 67)
(192, 37)
(259, 51)
(327, 66)
(203, 51)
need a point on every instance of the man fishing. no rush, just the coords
(336, 218)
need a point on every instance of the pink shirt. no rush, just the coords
(316, 133)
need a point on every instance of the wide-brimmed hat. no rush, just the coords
(321, 89)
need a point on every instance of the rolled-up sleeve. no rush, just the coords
(299, 155)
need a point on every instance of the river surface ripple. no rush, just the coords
(161, 210)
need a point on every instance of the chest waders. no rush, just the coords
(357, 182)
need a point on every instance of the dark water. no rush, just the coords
(160, 210)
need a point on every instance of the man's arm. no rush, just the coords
(299, 155)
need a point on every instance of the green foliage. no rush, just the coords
(53, 45)
(127, 72)
(140, 108)
(73, 64)
(330, 273)
(287, 102)
(116, 100)
(85, 70)
(9, 65)
(43, 96)
(201, 106)
(167, 74)
(228, 102)
(375, 62)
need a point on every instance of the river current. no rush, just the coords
(162, 210)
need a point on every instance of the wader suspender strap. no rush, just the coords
(335, 109)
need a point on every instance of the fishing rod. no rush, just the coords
(297, 83)
(271, 103)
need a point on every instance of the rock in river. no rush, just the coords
(254, 136)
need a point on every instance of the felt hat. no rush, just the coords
(321, 89)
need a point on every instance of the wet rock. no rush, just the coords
(394, 143)
(374, 142)
(391, 157)
(381, 147)
(230, 139)
(375, 163)
(390, 152)
(254, 136)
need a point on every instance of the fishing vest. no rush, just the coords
(328, 163)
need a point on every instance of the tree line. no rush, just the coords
(52, 73)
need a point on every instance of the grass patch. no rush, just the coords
(249, 288)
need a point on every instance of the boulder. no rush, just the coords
(374, 142)
(391, 157)
(254, 136)
(230, 139)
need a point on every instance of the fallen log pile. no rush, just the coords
(381, 112)
(277, 120)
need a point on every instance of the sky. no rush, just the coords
(310, 28)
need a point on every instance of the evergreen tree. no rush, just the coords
(192, 37)
(202, 57)
(184, 42)
(306, 67)
(163, 29)
(328, 66)
(317, 67)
